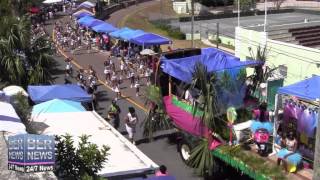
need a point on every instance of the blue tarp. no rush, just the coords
(150, 39)
(117, 33)
(86, 4)
(89, 22)
(95, 23)
(85, 20)
(127, 35)
(71, 92)
(307, 89)
(104, 28)
(81, 14)
(57, 105)
(215, 60)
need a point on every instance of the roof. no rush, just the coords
(116, 34)
(307, 89)
(128, 35)
(58, 105)
(214, 59)
(149, 39)
(9, 120)
(72, 92)
(124, 158)
(104, 28)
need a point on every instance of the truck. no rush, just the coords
(187, 81)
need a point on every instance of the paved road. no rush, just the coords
(160, 151)
(227, 25)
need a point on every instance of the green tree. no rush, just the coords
(24, 59)
(82, 162)
(156, 118)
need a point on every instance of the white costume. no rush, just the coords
(131, 125)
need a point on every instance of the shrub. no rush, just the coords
(80, 162)
(172, 32)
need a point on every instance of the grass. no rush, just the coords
(139, 19)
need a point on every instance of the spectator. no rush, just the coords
(162, 171)
(131, 121)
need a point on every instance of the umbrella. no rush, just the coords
(51, 1)
(14, 90)
(147, 52)
(57, 105)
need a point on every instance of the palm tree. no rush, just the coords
(201, 157)
(23, 61)
(156, 118)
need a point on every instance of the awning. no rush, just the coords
(57, 105)
(150, 39)
(128, 35)
(95, 23)
(104, 28)
(71, 92)
(82, 13)
(307, 89)
(14, 90)
(9, 120)
(117, 33)
(214, 59)
(124, 159)
(87, 4)
(85, 20)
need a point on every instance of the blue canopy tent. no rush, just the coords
(58, 105)
(85, 20)
(307, 120)
(307, 89)
(215, 60)
(104, 28)
(150, 39)
(95, 23)
(127, 35)
(117, 33)
(71, 92)
(86, 4)
(90, 22)
(80, 14)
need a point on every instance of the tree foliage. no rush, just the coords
(156, 118)
(82, 162)
(24, 59)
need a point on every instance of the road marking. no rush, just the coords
(105, 85)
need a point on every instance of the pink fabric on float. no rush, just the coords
(185, 120)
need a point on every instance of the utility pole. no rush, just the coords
(161, 11)
(316, 162)
(265, 16)
(217, 39)
(192, 23)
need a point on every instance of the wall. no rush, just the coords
(301, 61)
(180, 7)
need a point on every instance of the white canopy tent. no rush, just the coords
(52, 1)
(124, 158)
(14, 90)
(9, 120)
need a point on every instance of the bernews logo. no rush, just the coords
(31, 153)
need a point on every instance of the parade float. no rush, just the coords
(205, 96)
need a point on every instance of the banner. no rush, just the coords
(31, 153)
